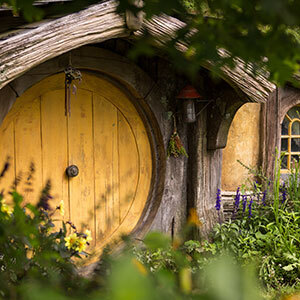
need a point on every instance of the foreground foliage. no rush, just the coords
(33, 250)
(272, 26)
(265, 230)
(254, 256)
(36, 263)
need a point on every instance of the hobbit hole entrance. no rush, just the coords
(104, 137)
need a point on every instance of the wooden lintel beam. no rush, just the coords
(30, 48)
(95, 24)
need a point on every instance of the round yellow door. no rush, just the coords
(104, 137)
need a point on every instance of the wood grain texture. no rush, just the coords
(255, 87)
(30, 47)
(7, 98)
(220, 116)
(104, 137)
(124, 106)
(80, 153)
(272, 134)
(7, 156)
(28, 149)
(106, 166)
(273, 114)
(54, 142)
(204, 175)
(129, 163)
(147, 95)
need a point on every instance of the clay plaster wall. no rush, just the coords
(243, 144)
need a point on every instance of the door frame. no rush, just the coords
(135, 83)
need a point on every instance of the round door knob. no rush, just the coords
(72, 171)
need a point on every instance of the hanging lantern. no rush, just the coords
(189, 94)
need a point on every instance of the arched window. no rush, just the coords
(290, 138)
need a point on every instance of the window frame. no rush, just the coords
(289, 153)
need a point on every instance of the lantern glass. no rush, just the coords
(189, 114)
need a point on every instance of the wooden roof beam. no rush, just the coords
(20, 53)
(255, 87)
(31, 47)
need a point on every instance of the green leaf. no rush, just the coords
(289, 267)
(155, 240)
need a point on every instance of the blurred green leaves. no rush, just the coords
(29, 11)
(33, 12)
(129, 282)
(34, 265)
(263, 33)
(156, 240)
(227, 280)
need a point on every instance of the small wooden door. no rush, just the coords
(104, 137)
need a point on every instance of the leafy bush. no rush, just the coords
(265, 229)
(32, 250)
(188, 270)
(36, 264)
(36, 259)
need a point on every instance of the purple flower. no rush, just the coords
(255, 185)
(250, 207)
(237, 200)
(263, 200)
(218, 200)
(244, 197)
(283, 192)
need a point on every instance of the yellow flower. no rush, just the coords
(193, 218)
(71, 241)
(88, 235)
(80, 244)
(75, 242)
(5, 208)
(62, 208)
(139, 266)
